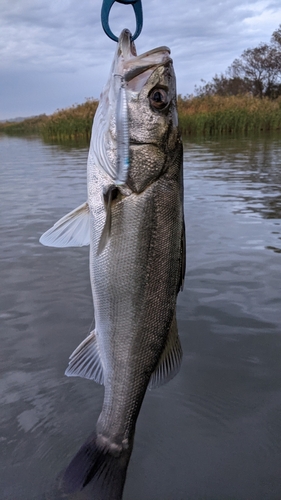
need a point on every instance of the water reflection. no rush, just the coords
(214, 432)
(253, 168)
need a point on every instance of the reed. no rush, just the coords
(71, 123)
(25, 127)
(216, 115)
(208, 115)
(65, 124)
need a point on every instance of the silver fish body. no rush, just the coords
(137, 253)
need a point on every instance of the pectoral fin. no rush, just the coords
(73, 230)
(85, 360)
(109, 197)
(170, 361)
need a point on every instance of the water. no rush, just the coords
(214, 432)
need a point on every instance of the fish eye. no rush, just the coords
(158, 98)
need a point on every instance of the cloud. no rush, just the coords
(46, 35)
(55, 53)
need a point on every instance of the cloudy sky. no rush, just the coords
(54, 53)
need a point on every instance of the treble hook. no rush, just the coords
(105, 10)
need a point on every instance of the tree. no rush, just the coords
(276, 37)
(223, 85)
(260, 69)
(257, 71)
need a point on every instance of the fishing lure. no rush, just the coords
(122, 134)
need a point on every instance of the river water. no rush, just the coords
(212, 433)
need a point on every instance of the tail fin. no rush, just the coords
(97, 469)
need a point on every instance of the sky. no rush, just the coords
(54, 53)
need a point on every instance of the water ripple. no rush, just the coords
(214, 431)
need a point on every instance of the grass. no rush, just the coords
(211, 115)
(65, 124)
(216, 115)
(71, 123)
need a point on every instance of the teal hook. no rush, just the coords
(105, 10)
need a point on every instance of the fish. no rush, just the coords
(133, 221)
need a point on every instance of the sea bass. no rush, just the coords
(133, 220)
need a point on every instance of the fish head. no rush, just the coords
(150, 85)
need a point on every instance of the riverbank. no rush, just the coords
(211, 115)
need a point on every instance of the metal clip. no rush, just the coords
(105, 10)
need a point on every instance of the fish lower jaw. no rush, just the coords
(108, 445)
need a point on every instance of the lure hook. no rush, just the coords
(105, 10)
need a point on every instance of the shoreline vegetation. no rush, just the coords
(65, 124)
(207, 115)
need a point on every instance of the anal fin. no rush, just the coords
(85, 361)
(170, 360)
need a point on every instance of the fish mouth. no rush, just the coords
(126, 47)
(133, 64)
